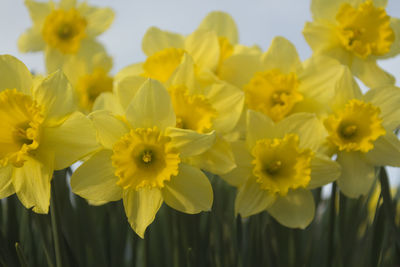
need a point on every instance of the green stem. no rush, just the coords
(331, 236)
(20, 254)
(54, 227)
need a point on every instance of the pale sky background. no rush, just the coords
(258, 22)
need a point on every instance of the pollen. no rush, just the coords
(355, 127)
(280, 165)
(20, 122)
(193, 112)
(364, 30)
(162, 64)
(91, 85)
(273, 93)
(144, 157)
(64, 30)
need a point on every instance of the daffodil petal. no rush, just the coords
(322, 9)
(6, 186)
(126, 89)
(71, 141)
(320, 36)
(109, 128)
(281, 55)
(346, 88)
(259, 127)
(108, 101)
(222, 24)
(323, 171)
(251, 199)
(31, 41)
(130, 70)
(295, 210)
(228, 100)
(395, 47)
(218, 159)
(243, 171)
(56, 95)
(184, 74)
(386, 151)
(32, 182)
(388, 100)
(371, 74)
(151, 106)
(189, 192)
(14, 74)
(189, 142)
(156, 40)
(98, 19)
(67, 4)
(203, 46)
(307, 126)
(141, 207)
(95, 179)
(38, 11)
(357, 174)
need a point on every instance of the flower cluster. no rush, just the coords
(267, 123)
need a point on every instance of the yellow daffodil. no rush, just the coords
(143, 160)
(361, 131)
(39, 132)
(357, 33)
(278, 165)
(66, 31)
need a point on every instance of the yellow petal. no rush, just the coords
(189, 142)
(371, 74)
(259, 127)
(71, 141)
(388, 100)
(346, 88)
(6, 186)
(141, 207)
(39, 10)
(228, 100)
(184, 74)
(320, 36)
(203, 46)
(189, 192)
(131, 70)
(386, 151)
(56, 96)
(295, 210)
(222, 24)
(95, 179)
(98, 19)
(218, 159)
(126, 89)
(281, 55)
(156, 40)
(151, 107)
(31, 41)
(251, 199)
(32, 182)
(307, 126)
(14, 74)
(327, 10)
(395, 48)
(357, 174)
(109, 129)
(244, 168)
(67, 4)
(240, 68)
(108, 101)
(323, 171)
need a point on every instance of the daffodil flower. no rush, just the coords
(39, 132)
(278, 165)
(357, 33)
(361, 129)
(66, 31)
(143, 160)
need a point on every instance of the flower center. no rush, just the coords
(144, 158)
(355, 127)
(280, 165)
(64, 30)
(162, 64)
(365, 30)
(90, 86)
(273, 93)
(20, 120)
(193, 112)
